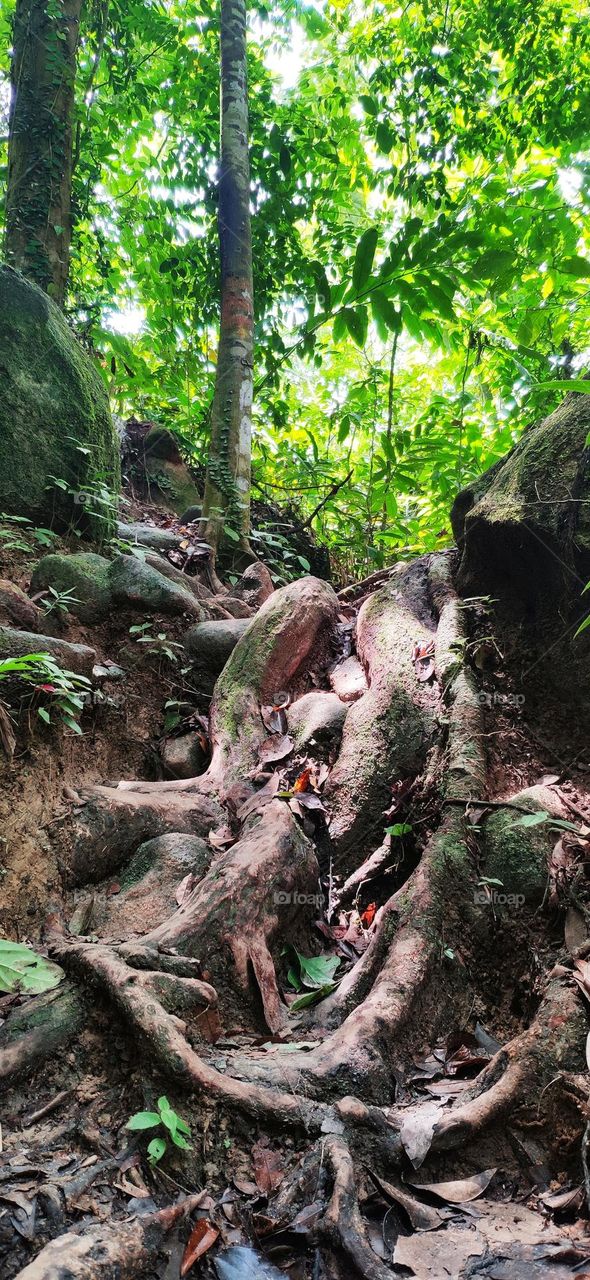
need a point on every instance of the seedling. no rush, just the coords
(58, 601)
(166, 1119)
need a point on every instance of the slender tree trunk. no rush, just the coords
(38, 198)
(227, 489)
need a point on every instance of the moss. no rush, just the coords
(85, 574)
(52, 400)
(517, 856)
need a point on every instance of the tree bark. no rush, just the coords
(38, 198)
(227, 488)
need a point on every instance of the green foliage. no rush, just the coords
(167, 1119)
(314, 972)
(420, 242)
(64, 691)
(158, 645)
(23, 970)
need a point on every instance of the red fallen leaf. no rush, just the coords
(113, 889)
(369, 914)
(268, 1167)
(302, 782)
(45, 688)
(202, 1237)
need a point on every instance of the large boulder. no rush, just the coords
(523, 528)
(166, 471)
(100, 585)
(54, 415)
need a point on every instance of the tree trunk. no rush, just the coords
(227, 489)
(38, 219)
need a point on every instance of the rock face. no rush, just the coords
(210, 643)
(316, 717)
(147, 535)
(52, 401)
(255, 585)
(167, 471)
(183, 757)
(523, 526)
(100, 585)
(150, 879)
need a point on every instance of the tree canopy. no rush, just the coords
(419, 192)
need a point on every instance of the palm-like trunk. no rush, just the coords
(38, 198)
(227, 490)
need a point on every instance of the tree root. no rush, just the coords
(342, 1224)
(116, 1251)
(38, 1030)
(236, 907)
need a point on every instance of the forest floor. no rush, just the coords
(392, 1165)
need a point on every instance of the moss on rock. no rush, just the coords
(85, 574)
(52, 404)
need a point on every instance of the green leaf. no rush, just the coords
(179, 1141)
(531, 819)
(368, 104)
(312, 997)
(43, 713)
(363, 258)
(383, 309)
(399, 829)
(357, 323)
(493, 264)
(23, 970)
(143, 1120)
(317, 971)
(575, 266)
(583, 626)
(156, 1149)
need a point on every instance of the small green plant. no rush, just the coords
(41, 673)
(165, 1118)
(159, 644)
(11, 526)
(399, 829)
(58, 601)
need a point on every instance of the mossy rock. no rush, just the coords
(52, 402)
(134, 584)
(523, 526)
(100, 585)
(517, 855)
(166, 470)
(85, 574)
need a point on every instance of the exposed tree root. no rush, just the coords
(342, 1224)
(117, 1251)
(37, 1031)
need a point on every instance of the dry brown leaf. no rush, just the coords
(277, 747)
(268, 1167)
(202, 1237)
(575, 929)
(458, 1191)
(422, 1217)
(7, 737)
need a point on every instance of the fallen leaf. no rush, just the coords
(266, 793)
(417, 1128)
(221, 838)
(185, 888)
(302, 782)
(458, 1191)
(277, 747)
(422, 1217)
(368, 914)
(575, 929)
(562, 1200)
(202, 1237)
(268, 1167)
(7, 737)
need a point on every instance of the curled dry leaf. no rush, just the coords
(185, 888)
(221, 838)
(202, 1237)
(422, 1217)
(266, 793)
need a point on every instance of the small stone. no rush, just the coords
(148, 535)
(211, 643)
(348, 680)
(317, 715)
